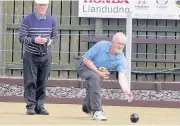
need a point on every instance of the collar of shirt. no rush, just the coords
(108, 51)
(38, 17)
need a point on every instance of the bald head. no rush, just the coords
(118, 43)
(119, 37)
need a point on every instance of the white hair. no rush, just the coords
(119, 35)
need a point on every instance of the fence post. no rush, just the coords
(2, 30)
(129, 45)
(99, 26)
(98, 29)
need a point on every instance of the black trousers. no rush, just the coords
(36, 71)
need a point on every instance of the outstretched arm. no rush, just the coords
(125, 86)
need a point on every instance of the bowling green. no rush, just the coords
(68, 114)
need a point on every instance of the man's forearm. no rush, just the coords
(123, 82)
(54, 35)
(90, 65)
(25, 39)
(23, 33)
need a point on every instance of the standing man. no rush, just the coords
(110, 56)
(37, 33)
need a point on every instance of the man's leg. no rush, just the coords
(93, 89)
(93, 97)
(87, 105)
(94, 82)
(29, 73)
(42, 82)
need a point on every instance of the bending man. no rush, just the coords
(110, 56)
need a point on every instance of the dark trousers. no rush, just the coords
(93, 87)
(36, 70)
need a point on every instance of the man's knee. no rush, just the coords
(95, 76)
(29, 84)
(95, 82)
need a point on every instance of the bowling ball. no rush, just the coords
(134, 118)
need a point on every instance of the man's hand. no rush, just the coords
(49, 41)
(129, 96)
(104, 74)
(40, 40)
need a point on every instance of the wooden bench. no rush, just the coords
(144, 70)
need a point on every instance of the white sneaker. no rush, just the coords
(99, 115)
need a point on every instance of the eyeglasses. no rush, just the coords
(119, 43)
